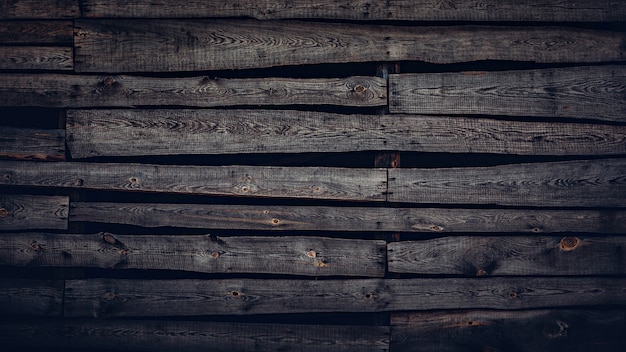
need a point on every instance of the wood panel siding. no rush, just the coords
(37, 9)
(145, 45)
(31, 297)
(93, 133)
(26, 212)
(32, 144)
(577, 92)
(37, 32)
(72, 91)
(403, 10)
(36, 58)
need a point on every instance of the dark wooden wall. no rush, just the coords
(312, 175)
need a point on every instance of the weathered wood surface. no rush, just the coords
(36, 58)
(408, 10)
(32, 144)
(37, 9)
(99, 132)
(141, 298)
(37, 32)
(24, 212)
(320, 218)
(537, 255)
(249, 181)
(148, 46)
(291, 255)
(149, 335)
(527, 331)
(31, 297)
(72, 91)
(577, 92)
(590, 183)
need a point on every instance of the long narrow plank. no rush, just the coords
(291, 255)
(409, 10)
(36, 58)
(529, 331)
(577, 92)
(92, 133)
(32, 144)
(37, 9)
(591, 183)
(141, 298)
(24, 212)
(193, 336)
(72, 91)
(31, 297)
(318, 218)
(537, 255)
(147, 45)
(37, 32)
(249, 181)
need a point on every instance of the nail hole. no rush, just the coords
(368, 296)
(234, 293)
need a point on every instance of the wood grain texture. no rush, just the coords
(32, 144)
(193, 336)
(147, 45)
(25, 212)
(536, 330)
(37, 32)
(290, 255)
(409, 10)
(72, 91)
(36, 58)
(143, 298)
(92, 133)
(537, 255)
(37, 9)
(320, 218)
(590, 183)
(31, 297)
(577, 92)
(248, 181)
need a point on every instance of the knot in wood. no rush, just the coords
(555, 330)
(482, 272)
(35, 246)
(569, 243)
(3, 212)
(360, 88)
(513, 295)
(109, 296)
(311, 254)
(135, 182)
(436, 228)
(275, 221)
(215, 255)
(79, 182)
(109, 81)
(108, 238)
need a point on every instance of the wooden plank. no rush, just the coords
(37, 9)
(590, 183)
(141, 298)
(537, 255)
(25, 212)
(321, 218)
(72, 91)
(31, 297)
(37, 32)
(32, 144)
(92, 133)
(148, 46)
(576, 92)
(409, 10)
(36, 58)
(291, 255)
(151, 335)
(528, 331)
(249, 181)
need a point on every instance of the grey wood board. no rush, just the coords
(406, 10)
(32, 144)
(144, 298)
(73, 91)
(37, 9)
(132, 132)
(31, 297)
(192, 336)
(27, 212)
(588, 92)
(249, 181)
(198, 45)
(37, 32)
(44, 58)
(510, 255)
(328, 218)
(289, 255)
(528, 331)
(586, 183)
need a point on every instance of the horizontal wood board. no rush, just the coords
(37, 32)
(31, 297)
(25, 212)
(36, 58)
(37, 9)
(32, 144)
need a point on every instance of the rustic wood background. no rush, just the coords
(405, 175)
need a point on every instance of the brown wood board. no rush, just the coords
(45, 58)
(37, 32)
(26, 212)
(32, 144)
(38, 9)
